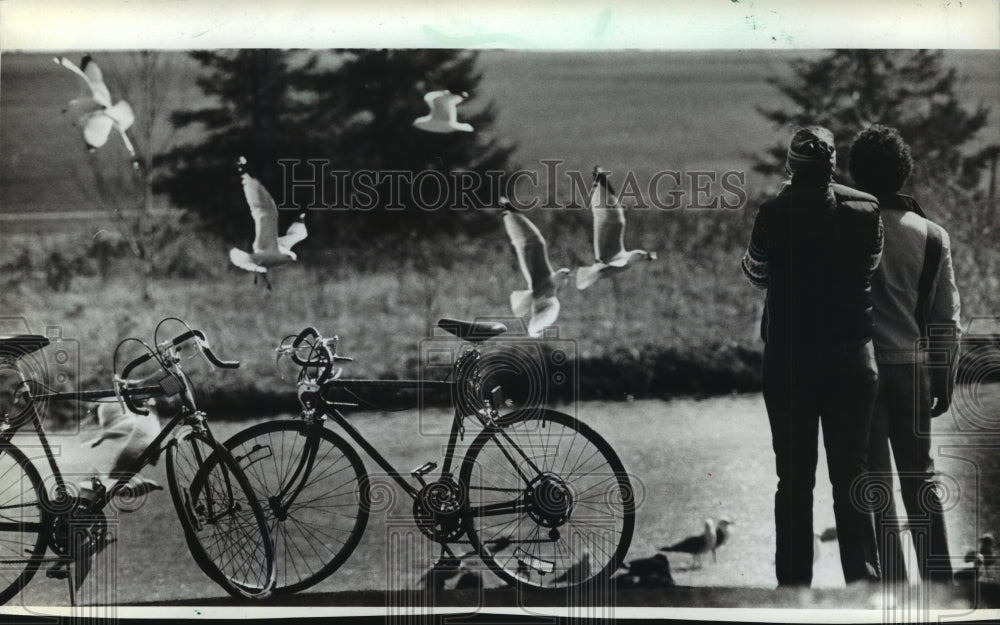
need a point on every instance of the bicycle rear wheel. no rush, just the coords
(25, 521)
(223, 522)
(549, 502)
(315, 493)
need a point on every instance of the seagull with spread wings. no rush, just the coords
(539, 300)
(269, 250)
(92, 109)
(609, 235)
(137, 431)
(443, 115)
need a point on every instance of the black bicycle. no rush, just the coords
(224, 524)
(541, 497)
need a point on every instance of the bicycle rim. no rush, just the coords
(223, 522)
(24, 521)
(550, 505)
(320, 519)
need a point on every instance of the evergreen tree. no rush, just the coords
(911, 90)
(250, 110)
(365, 112)
(351, 109)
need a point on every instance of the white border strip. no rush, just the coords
(756, 615)
(582, 24)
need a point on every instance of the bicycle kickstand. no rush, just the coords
(63, 570)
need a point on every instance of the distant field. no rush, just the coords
(640, 111)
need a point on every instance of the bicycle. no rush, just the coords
(224, 524)
(530, 514)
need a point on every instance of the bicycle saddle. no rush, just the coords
(18, 345)
(472, 331)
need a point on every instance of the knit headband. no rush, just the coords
(810, 147)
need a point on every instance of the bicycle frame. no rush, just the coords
(186, 413)
(467, 371)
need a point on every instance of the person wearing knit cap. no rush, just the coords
(913, 290)
(814, 248)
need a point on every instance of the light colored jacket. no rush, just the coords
(894, 287)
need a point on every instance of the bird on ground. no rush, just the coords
(653, 571)
(269, 250)
(697, 545)
(92, 109)
(578, 573)
(609, 235)
(443, 115)
(722, 532)
(540, 300)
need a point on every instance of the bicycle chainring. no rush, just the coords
(76, 522)
(437, 510)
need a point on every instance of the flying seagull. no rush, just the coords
(443, 116)
(696, 545)
(269, 250)
(93, 111)
(539, 300)
(721, 534)
(137, 430)
(609, 235)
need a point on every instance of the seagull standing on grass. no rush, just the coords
(696, 545)
(722, 532)
(443, 116)
(93, 109)
(609, 235)
(269, 250)
(539, 300)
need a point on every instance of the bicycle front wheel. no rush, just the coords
(549, 504)
(223, 522)
(25, 521)
(315, 493)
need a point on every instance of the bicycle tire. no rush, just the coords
(307, 541)
(31, 519)
(207, 486)
(558, 515)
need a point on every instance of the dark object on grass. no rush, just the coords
(469, 580)
(443, 570)
(648, 572)
(828, 534)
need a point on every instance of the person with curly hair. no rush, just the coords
(814, 249)
(912, 290)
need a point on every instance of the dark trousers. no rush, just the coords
(804, 387)
(899, 418)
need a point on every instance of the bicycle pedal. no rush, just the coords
(423, 470)
(58, 571)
